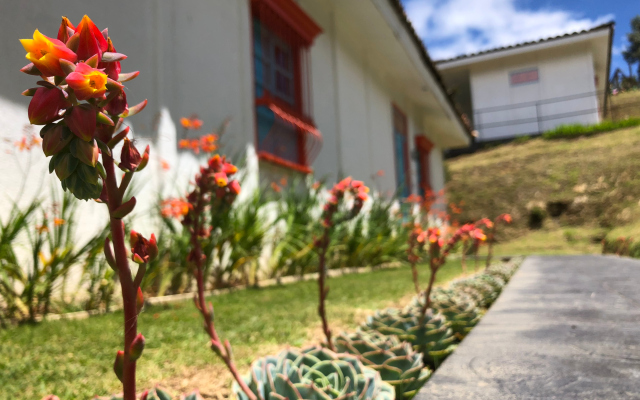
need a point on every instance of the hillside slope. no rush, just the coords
(591, 182)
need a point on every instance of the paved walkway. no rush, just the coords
(565, 327)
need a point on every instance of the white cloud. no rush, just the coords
(455, 27)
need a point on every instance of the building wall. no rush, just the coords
(352, 107)
(562, 72)
(198, 59)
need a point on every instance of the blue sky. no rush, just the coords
(454, 27)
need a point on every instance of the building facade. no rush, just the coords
(533, 87)
(328, 87)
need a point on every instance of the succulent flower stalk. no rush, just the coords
(213, 192)
(332, 216)
(78, 100)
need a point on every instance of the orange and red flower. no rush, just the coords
(87, 82)
(175, 208)
(191, 123)
(45, 53)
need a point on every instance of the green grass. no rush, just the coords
(73, 359)
(577, 130)
(597, 175)
(553, 241)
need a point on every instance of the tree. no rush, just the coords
(632, 53)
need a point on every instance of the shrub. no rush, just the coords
(578, 130)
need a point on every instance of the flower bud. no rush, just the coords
(118, 104)
(143, 250)
(45, 106)
(55, 138)
(137, 347)
(129, 157)
(63, 31)
(118, 365)
(90, 41)
(234, 187)
(51, 397)
(82, 121)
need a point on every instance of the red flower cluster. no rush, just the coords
(206, 143)
(78, 98)
(347, 185)
(505, 217)
(212, 179)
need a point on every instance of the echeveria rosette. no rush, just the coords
(79, 93)
(460, 309)
(315, 373)
(396, 361)
(432, 336)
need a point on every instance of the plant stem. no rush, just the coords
(323, 290)
(433, 266)
(414, 272)
(463, 260)
(223, 350)
(490, 246)
(126, 282)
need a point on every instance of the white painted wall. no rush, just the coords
(353, 108)
(562, 72)
(195, 57)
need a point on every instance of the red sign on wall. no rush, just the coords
(528, 76)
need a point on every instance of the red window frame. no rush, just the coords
(423, 147)
(400, 118)
(287, 22)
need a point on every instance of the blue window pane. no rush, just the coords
(400, 142)
(276, 136)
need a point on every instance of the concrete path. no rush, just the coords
(565, 327)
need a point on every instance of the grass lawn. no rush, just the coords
(625, 105)
(73, 359)
(551, 241)
(597, 177)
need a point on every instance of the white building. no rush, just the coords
(329, 87)
(535, 86)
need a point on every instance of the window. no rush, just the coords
(423, 147)
(401, 152)
(522, 77)
(285, 132)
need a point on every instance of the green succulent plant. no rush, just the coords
(432, 337)
(460, 309)
(315, 373)
(396, 361)
(504, 271)
(481, 291)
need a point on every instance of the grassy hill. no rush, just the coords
(585, 186)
